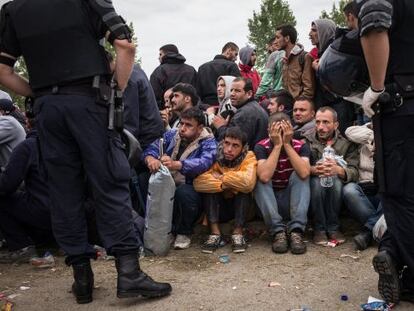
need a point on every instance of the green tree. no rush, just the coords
(20, 68)
(336, 14)
(262, 26)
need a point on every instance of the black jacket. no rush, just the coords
(24, 166)
(208, 74)
(141, 115)
(171, 71)
(250, 118)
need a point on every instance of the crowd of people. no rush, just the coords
(234, 141)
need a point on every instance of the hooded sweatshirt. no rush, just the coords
(247, 71)
(326, 33)
(171, 71)
(225, 102)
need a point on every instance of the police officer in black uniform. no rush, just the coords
(59, 41)
(386, 30)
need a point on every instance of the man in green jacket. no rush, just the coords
(326, 201)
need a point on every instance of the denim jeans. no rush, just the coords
(360, 206)
(187, 209)
(326, 204)
(289, 203)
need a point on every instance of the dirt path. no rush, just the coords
(200, 282)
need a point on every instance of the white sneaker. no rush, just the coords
(182, 241)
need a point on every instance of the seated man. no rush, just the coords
(167, 115)
(280, 101)
(183, 97)
(282, 192)
(362, 199)
(188, 151)
(228, 182)
(326, 201)
(11, 132)
(303, 117)
(24, 216)
(225, 108)
(250, 117)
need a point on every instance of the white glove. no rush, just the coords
(370, 98)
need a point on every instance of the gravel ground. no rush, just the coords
(316, 280)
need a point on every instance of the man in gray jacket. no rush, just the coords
(11, 132)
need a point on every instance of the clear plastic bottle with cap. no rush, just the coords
(328, 153)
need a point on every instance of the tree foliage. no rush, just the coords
(262, 26)
(336, 14)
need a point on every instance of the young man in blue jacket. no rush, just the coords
(188, 151)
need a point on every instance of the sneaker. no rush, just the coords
(319, 238)
(213, 242)
(182, 241)
(239, 243)
(363, 239)
(388, 283)
(20, 256)
(280, 243)
(297, 246)
(338, 236)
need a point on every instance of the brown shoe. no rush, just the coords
(280, 243)
(338, 236)
(297, 246)
(319, 238)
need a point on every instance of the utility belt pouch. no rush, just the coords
(404, 85)
(103, 90)
(119, 111)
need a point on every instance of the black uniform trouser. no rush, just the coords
(22, 222)
(398, 200)
(75, 143)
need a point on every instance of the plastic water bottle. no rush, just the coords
(328, 153)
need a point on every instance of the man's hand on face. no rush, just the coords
(275, 134)
(287, 130)
(170, 164)
(219, 121)
(153, 164)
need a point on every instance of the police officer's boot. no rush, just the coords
(132, 282)
(83, 286)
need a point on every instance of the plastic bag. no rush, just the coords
(159, 212)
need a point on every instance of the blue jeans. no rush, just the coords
(326, 204)
(360, 206)
(289, 203)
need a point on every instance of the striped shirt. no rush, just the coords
(284, 169)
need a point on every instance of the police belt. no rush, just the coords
(82, 90)
(395, 102)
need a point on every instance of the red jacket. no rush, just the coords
(249, 72)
